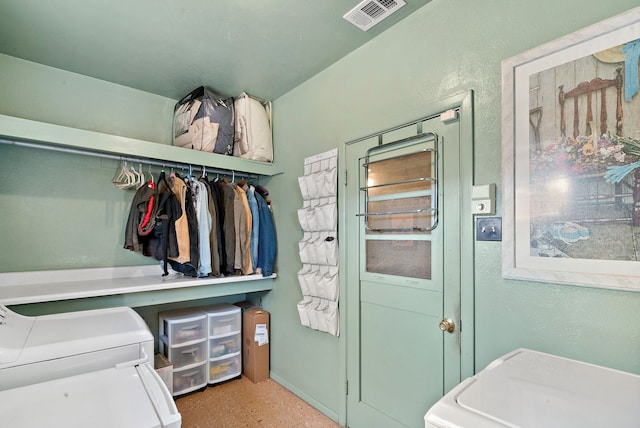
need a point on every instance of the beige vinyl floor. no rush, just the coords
(242, 403)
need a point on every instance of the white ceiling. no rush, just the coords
(169, 47)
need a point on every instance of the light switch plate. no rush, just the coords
(489, 229)
(483, 199)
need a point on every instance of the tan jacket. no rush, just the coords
(182, 225)
(242, 218)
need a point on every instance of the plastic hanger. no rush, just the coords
(142, 179)
(120, 177)
(126, 177)
(132, 177)
(135, 178)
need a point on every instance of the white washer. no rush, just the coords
(79, 369)
(526, 388)
(126, 396)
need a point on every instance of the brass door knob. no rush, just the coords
(448, 325)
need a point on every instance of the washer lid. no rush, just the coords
(119, 397)
(73, 333)
(532, 389)
(14, 331)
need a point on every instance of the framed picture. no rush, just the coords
(571, 158)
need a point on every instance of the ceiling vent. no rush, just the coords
(370, 12)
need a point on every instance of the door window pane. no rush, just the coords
(420, 221)
(399, 201)
(400, 170)
(399, 257)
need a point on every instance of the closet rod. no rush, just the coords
(145, 161)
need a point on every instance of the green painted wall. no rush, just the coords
(64, 210)
(447, 47)
(46, 94)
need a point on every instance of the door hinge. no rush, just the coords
(345, 176)
(346, 387)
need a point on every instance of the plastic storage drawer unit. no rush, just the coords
(183, 340)
(225, 368)
(182, 326)
(186, 354)
(223, 320)
(225, 342)
(225, 345)
(189, 379)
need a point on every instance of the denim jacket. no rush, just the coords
(267, 245)
(255, 225)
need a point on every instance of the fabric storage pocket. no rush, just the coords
(308, 219)
(331, 318)
(308, 251)
(303, 311)
(314, 186)
(312, 282)
(312, 312)
(302, 182)
(329, 182)
(328, 285)
(327, 216)
(307, 277)
(320, 314)
(328, 251)
(303, 219)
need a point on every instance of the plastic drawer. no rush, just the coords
(224, 345)
(185, 329)
(224, 323)
(222, 369)
(186, 355)
(190, 379)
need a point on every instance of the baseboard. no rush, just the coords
(313, 402)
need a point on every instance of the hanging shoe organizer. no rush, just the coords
(318, 248)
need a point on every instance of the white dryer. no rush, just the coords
(78, 369)
(37, 349)
(526, 389)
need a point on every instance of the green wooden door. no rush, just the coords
(402, 201)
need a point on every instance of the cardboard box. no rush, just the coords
(255, 344)
(244, 305)
(164, 368)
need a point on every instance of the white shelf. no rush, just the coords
(14, 128)
(132, 282)
(18, 288)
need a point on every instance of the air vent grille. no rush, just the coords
(373, 10)
(368, 13)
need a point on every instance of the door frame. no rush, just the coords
(462, 102)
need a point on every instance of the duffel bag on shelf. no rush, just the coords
(253, 137)
(203, 120)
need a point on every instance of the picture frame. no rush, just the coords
(570, 126)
